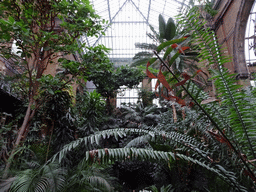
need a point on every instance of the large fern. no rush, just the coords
(50, 177)
(87, 177)
(231, 125)
(236, 112)
(201, 156)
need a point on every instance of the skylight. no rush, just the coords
(129, 22)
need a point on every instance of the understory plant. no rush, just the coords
(167, 31)
(89, 112)
(205, 143)
(43, 31)
(216, 134)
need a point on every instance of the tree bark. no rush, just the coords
(19, 137)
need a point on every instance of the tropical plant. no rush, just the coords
(109, 80)
(167, 31)
(220, 139)
(138, 115)
(47, 178)
(162, 189)
(88, 112)
(40, 29)
(146, 96)
(86, 177)
(52, 177)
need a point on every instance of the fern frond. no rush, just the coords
(137, 141)
(47, 178)
(174, 137)
(238, 118)
(240, 113)
(99, 182)
(241, 122)
(124, 154)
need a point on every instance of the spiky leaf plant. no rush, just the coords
(185, 144)
(234, 119)
(47, 178)
(167, 32)
(168, 188)
(89, 178)
(220, 138)
(51, 177)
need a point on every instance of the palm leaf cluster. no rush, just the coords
(53, 177)
(167, 31)
(235, 118)
(182, 143)
(225, 145)
(216, 134)
(50, 177)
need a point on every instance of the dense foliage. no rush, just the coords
(43, 31)
(191, 142)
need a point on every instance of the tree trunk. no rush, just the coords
(19, 137)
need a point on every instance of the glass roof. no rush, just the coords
(250, 38)
(129, 23)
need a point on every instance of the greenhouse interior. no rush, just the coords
(127, 96)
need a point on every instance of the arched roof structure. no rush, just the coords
(129, 22)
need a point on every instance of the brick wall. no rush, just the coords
(230, 25)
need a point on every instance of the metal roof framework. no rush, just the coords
(129, 22)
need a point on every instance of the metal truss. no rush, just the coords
(129, 22)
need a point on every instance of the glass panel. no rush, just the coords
(250, 38)
(250, 42)
(129, 24)
(126, 95)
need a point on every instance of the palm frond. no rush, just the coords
(99, 181)
(174, 137)
(5, 184)
(47, 178)
(234, 105)
(241, 121)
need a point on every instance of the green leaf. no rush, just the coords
(167, 43)
(51, 91)
(162, 26)
(170, 29)
(11, 19)
(167, 52)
